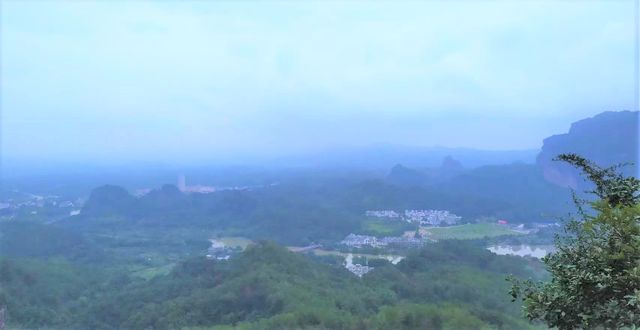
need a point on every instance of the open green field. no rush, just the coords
(151, 272)
(377, 227)
(469, 231)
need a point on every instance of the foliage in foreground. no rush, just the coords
(596, 270)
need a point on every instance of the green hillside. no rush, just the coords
(269, 287)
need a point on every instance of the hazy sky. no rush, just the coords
(140, 80)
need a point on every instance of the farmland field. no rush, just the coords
(469, 231)
(151, 272)
(377, 227)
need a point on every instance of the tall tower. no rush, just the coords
(182, 183)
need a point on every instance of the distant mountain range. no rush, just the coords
(527, 189)
(386, 156)
(320, 206)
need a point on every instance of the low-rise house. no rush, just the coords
(353, 240)
(402, 240)
(218, 250)
(65, 204)
(431, 217)
(358, 269)
(383, 214)
(358, 241)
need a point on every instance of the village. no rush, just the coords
(24, 203)
(422, 217)
(359, 241)
(409, 239)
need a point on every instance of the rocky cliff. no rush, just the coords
(607, 139)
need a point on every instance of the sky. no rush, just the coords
(137, 80)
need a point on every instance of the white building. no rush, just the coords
(200, 189)
(431, 217)
(382, 214)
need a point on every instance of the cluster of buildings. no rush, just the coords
(218, 251)
(432, 217)
(31, 203)
(423, 217)
(356, 269)
(383, 214)
(358, 241)
(202, 189)
(34, 201)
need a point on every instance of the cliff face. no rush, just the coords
(607, 139)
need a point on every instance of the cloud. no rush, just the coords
(151, 79)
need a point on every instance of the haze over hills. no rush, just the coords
(327, 209)
(385, 156)
(608, 139)
(584, 137)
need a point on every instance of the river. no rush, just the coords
(536, 251)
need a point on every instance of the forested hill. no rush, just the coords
(521, 187)
(447, 285)
(300, 214)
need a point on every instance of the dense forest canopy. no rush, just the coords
(268, 286)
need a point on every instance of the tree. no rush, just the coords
(595, 273)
